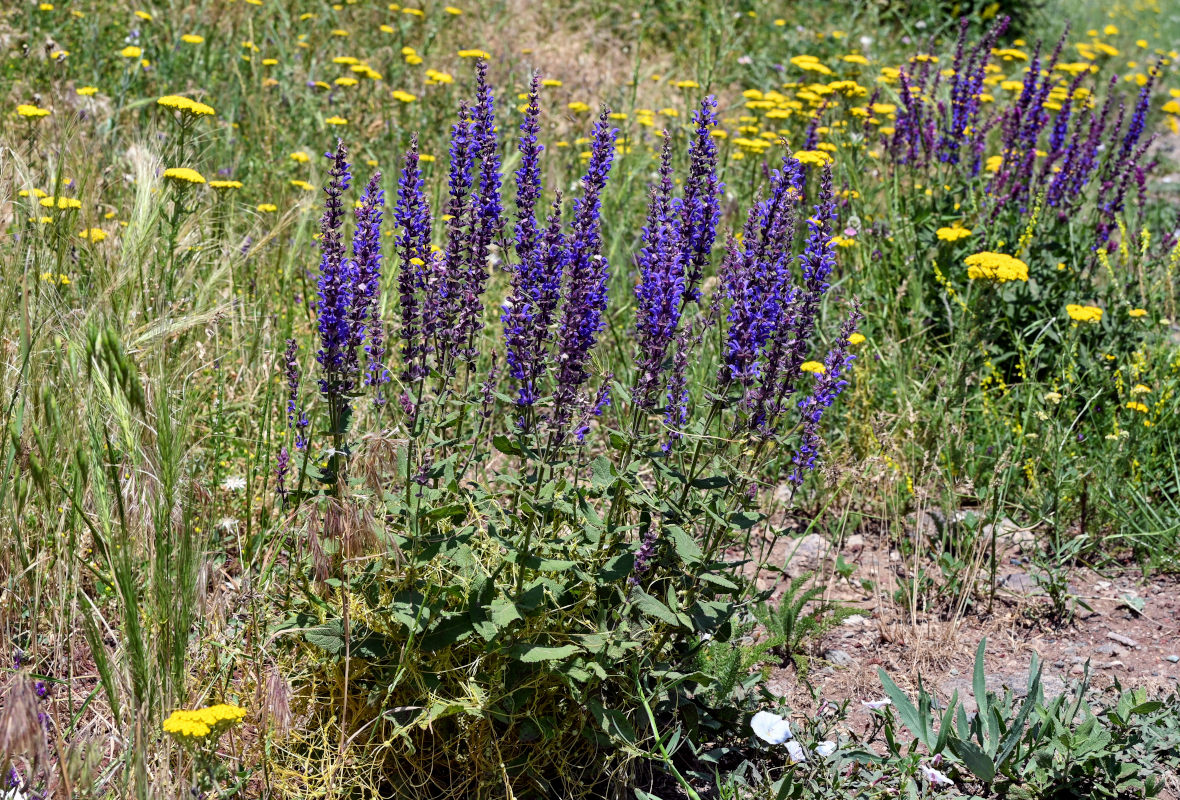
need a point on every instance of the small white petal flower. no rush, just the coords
(935, 777)
(876, 705)
(233, 483)
(795, 751)
(771, 728)
(825, 749)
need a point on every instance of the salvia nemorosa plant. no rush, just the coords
(523, 414)
(1049, 144)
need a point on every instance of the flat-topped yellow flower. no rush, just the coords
(812, 158)
(813, 367)
(996, 267)
(1091, 314)
(186, 105)
(267, 208)
(61, 202)
(484, 54)
(1137, 312)
(336, 121)
(131, 51)
(192, 38)
(223, 185)
(404, 97)
(183, 175)
(95, 235)
(31, 111)
(86, 91)
(856, 338)
(191, 725)
(953, 233)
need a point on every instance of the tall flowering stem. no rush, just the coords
(526, 323)
(412, 216)
(366, 253)
(700, 210)
(486, 222)
(335, 287)
(829, 383)
(588, 271)
(661, 286)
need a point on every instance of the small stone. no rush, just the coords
(1126, 641)
(894, 555)
(806, 555)
(855, 621)
(839, 658)
(1173, 659)
(855, 543)
(1109, 664)
(1109, 650)
(1077, 669)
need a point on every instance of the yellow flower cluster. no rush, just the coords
(954, 233)
(996, 267)
(813, 367)
(1084, 313)
(184, 174)
(32, 112)
(184, 724)
(186, 105)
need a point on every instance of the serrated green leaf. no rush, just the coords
(534, 653)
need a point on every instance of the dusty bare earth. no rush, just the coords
(1131, 634)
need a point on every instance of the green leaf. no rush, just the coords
(534, 653)
(653, 607)
(905, 709)
(977, 761)
(329, 637)
(504, 612)
(505, 445)
(602, 473)
(687, 550)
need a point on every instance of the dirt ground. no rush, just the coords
(1131, 632)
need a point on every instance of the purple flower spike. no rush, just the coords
(661, 286)
(335, 286)
(588, 272)
(412, 217)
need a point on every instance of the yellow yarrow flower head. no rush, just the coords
(1135, 406)
(95, 235)
(954, 233)
(31, 111)
(86, 91)
(812, 158)
(131, 51)
(813, 367)
(61, 202)
(336, 121)
(183, 175)
(1137, 312)
(190, 726)
(1091, 314)
(225, 185)
(192, 38)
(185, 105)
(856, 338)
(996, 267)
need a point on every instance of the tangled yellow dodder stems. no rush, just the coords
(996, 267)
(186, 725)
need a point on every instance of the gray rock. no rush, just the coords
(839, 658)
(1126, 641)
(1173, 659)
(807, 554)
(855, 620)
(855, 543)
